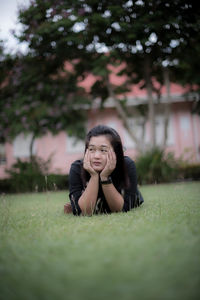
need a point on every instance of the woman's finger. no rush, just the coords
(111, 160)
(85, 161)
(110, 157)
(88, 156)
(85, 156)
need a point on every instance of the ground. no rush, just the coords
(151, 252)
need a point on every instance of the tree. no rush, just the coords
(151, 37)
(35, 101)
(144, 36)
(148, 36)
(187, 70)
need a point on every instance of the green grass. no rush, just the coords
(152, 252)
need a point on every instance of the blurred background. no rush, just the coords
(66, 66)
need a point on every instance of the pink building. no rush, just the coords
(183, 132)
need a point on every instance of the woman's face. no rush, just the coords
(98, 151)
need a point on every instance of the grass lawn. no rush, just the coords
(152, 252)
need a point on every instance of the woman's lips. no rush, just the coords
(96, 163)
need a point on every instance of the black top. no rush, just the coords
(132, 196)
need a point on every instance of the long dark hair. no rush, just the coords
(119, 175)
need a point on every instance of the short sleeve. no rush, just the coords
(75, 186)
(131, 193)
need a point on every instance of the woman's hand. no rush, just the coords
(110, 165)
(87, 165)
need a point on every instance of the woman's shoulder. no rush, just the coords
(129, 161)
(76, 165)
(77, 162)
(130, 164)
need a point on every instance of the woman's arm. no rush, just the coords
(113, 197)
(88, 199)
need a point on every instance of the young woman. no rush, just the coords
(105, 181)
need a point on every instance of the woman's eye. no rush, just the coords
(104, 150)
(91, 150)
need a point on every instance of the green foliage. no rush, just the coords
(37, 100)
(41, 95)
(28, 176)
(32, 177)
(155, 166)
(151, 252)
(5, 185)
(57, 182)
(189, 171)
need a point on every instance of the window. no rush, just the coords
(2, 154)
(160, 131)
(170, 137)
(138, 125)
(139, 129)
(185, 125)
(185, 122)
(112, 124)
(74, 146)
(21, 145)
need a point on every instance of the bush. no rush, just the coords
(189, 171)
(21, 184)
(32, 176)
(5, 185)
(57, 182)
(155, 166)
(27, 176)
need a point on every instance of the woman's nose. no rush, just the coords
(97, 154)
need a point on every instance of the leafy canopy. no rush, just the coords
(67, 40)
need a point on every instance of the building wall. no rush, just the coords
(187, 132)
(183, 139)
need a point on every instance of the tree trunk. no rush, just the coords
(31, 147)
(151, 108)
(124, 117)
(166, 106)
